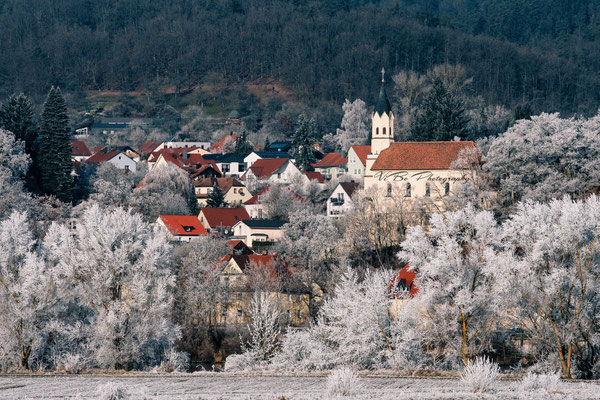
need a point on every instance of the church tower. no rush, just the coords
(382, 122)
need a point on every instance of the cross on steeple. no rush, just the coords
(382, 74)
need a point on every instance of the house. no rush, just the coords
(281, 146)
(221, 220)
(181, 228)
(233, 118)
(229, 164)
(409, 169)
(180, 157)
(148, 148)
(234, 191)
(225, 144)
(333, 165)
(315, 176)
(258, 230)
(79, 151)
(115, 157)
(357, 161)
(238, 247)
(341, 199)
(243, 274)
(259, 155)
(256, 207)
(401, 288)
(275, 170)
(205, 171)
(114, 125)
(201, 147)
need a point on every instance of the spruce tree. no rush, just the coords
(304, 139)
(442, 116)
(192, 200)
(267, 146)
(54, 148)
(242, 146)
(17, 117)
(216, 198)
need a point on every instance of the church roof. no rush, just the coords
(383, 104)
(420, 155)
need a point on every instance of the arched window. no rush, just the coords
(428, 189)
(384, 131)
(446, 188)
(389, 190)
(377, 131)
(408, 187)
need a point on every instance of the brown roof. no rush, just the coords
(331, 160)
(315, 176)
(265, 167)
(148, 147)
(218, 147)
(79, 148)
(224, 183)
(239, 247)
(181, 158)
(362, 152)
(350, 187)
(101, 157)
(226, 217)
(183, 225)
(420, 155)
(98, 148)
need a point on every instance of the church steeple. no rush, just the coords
(382, 121)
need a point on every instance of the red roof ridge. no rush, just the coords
(420, 155)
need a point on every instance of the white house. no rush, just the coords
(275, 170)
(341, 199)
(357, 161)
(115, 157)
(229, 164)
(258, 230)
(181, 228)
(251, 158)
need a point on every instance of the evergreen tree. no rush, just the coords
(267, 146)
(242, 146)
(54, 150)
(216, 198)
(17, 117)
(192, 200)
(442, 116)
(304, 138)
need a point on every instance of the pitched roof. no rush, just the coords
(403, 282)
(148, 147)
(331, 160)
(272, 154)
(383, 104)
(239, 247)
(255, 199)
(264, 223)
(350, 187)
(224, 158)
(101, 156)
(218, 147)
(183, 225)
(224, 183)
(265, 167)
(226, 217)
(315, 176)
(98, 148)
(420, 155)
(362, 152)
(181, 157)
(79, 148)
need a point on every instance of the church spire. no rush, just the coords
(382, 75)
(383, 104)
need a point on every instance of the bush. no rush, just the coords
(239, 362)
(342, 382)
(111, 391)
(174, 361)
(72, 363)
(539, 382)
(480, 375)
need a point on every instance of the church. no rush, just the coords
(409, 169)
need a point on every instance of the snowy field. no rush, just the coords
(238, 386)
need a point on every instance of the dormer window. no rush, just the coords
(188, 228)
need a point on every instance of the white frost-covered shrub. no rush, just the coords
(547, 383)
(174, 361)
(111, 391)
(240, 362)
(342, 382)
(479, 375)
(72, 363)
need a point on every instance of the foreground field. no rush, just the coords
(238, 386)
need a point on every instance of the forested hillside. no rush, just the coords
(516, 51)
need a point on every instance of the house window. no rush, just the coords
(384, 131)
(446, 188)
(279, 176)
(126, 166)
(408, 187)
(428, 189)
(299, 314)
(225, 167)
(260, 213)
(241, 167)
(226, 280)
(234, 190)
(223, 313)
(389, 190)
(239, 313)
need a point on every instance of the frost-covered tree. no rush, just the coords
(355, 125)
(120, 268)
(456, 268)
(14, 163)
(545, 157)
(553, 256)
(263, 330)
(28, 293)
(163, 190)
(280, 201)
(16, 116)
(112, 186)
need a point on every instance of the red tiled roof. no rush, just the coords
(101, 157)
(183, 225)
(98, 148)
(265, 167)
(331, 160)
(226, 217)
(420, 155)
(315, 176)
(148, 147)
(79, 148)
(224, 183)
(362, 152)
(350, 187)
(218, 147)
(176, 156)
(254, 199)
(403, 281)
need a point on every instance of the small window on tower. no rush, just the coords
(389, 190)
(446, 188)
(384, 131)
(377, 131)
(408, 187)
(427, 189)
